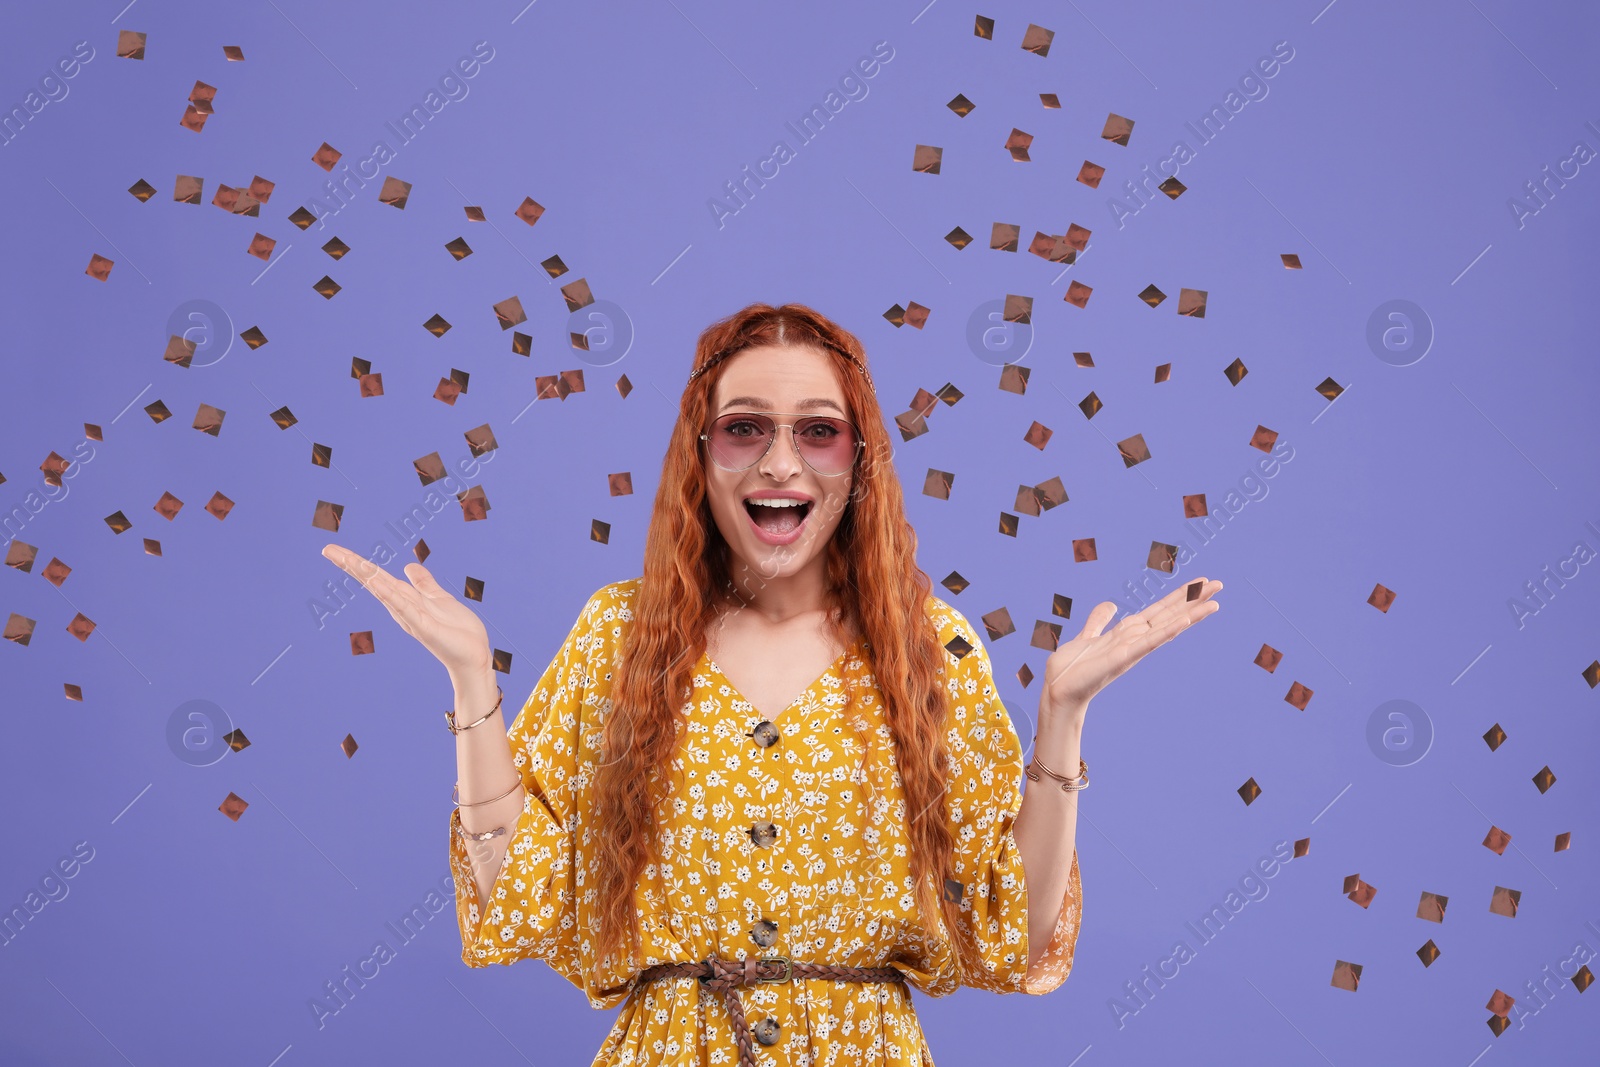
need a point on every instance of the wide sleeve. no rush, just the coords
(530, 908)
(984, 798)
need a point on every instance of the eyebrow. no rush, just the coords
(808, 404)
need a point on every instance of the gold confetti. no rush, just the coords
(394, 192)
(529, 210)
(1037, 40)
(509, 313)
(20, 556)
(1117, 129)
(1133, 450)
(1504, 901)
(326, 156)
(577, 294)
(1017, 144)
(130, 44)
(208, 419)
(1263, 438)
(1346, 975)
(187, 189)
(327, 516)
(1432, 907)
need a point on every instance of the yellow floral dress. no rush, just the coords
(828, 881)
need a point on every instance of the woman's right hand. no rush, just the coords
(425, 610)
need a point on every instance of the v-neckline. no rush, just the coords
(774, 717)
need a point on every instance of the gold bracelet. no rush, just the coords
(450, 716)
(1068, 785)
(455, 794)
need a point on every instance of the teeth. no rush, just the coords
(776, 502)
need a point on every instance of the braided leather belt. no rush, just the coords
(724, 976)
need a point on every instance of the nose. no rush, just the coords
(783, 457)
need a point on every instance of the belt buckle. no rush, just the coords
(788, 968)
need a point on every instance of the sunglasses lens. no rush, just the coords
(739, 440)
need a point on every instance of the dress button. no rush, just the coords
(765, 733)
(766, 1031)
(764, 933)
(763, 834)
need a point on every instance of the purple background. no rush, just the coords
(1384, 155)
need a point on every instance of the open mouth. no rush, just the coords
(778, 518)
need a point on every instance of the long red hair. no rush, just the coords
(873, 579)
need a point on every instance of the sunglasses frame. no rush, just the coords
(854, 429)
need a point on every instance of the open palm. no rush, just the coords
(1082, 667)
(425, 610)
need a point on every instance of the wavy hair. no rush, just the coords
(873, 580)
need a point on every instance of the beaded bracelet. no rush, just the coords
(496, 832)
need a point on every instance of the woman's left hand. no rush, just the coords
(1079, 669)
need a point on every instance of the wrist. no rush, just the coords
(476, 676)
(1063, 717)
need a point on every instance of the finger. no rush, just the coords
(1098, 618)
(389, 590)
(1157, 614)
(1165, 630)
(425, 582)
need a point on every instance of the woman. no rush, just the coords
(769, 785)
